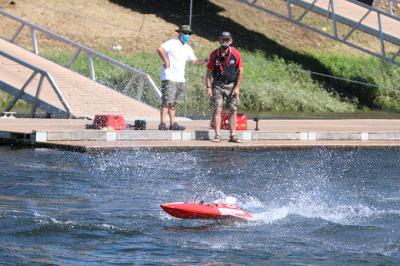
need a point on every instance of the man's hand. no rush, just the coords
(235, 91)
(209, 92)
(166, 65)
(200, 61)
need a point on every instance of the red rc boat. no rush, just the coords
(216, 211)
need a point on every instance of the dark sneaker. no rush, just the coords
(176, 126)
(234, 139)
(162, 126)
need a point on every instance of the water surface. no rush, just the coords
(311, 207)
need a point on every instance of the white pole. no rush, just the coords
(187, 79)
(191, 12)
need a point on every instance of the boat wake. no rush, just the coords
(344, 214)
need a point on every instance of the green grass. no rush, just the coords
(269, 85)
(20, 105)
(384, 92)
(273, 85)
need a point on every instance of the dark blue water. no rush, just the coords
(318, 207)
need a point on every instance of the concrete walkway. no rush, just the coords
(72, 134)
(27, 125)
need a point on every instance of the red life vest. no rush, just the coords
(225, 69)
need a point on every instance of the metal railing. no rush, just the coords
(390, 7)
(331, 12)
(91, 54)
(35, 102)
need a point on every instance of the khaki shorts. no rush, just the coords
(171, 92)
(223, 94)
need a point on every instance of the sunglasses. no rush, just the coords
(186, 33)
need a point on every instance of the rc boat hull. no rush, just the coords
(216, 211)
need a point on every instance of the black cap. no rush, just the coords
(226, 35)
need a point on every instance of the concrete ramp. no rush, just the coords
(83, 96)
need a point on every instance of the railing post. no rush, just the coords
(334, 17)
(17, 33)
(396, 55)
(74, 56)
(128, 85)
(289, 7)
(21, 92)
(139, 92)
(306, 11)
(34, 41)
(35, 103)
(91, 67)
(356, 26)
(59, 94)
(381, 37)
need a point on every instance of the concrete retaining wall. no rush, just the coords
(131, 135)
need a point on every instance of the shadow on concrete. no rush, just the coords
(208, 23)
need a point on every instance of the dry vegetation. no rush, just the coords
(102, 24)
(107, 24)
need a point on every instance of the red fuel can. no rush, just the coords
(241, 121)
(116, 122)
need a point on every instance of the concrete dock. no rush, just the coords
(72, 134)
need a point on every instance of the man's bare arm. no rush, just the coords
(236, 89)
(200, 61)
(163, 55)
(208, 82)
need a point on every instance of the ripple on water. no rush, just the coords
(310, 206)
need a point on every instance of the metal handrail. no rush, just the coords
(90, 52)
(378, 33)
(373, 9)
(44, 74)
(310, 7)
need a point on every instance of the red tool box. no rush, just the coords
(116, 122)
(241, 121)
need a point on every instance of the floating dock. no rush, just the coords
(72, 134)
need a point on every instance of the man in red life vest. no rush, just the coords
(224, 74)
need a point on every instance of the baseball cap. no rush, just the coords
(226, 35)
